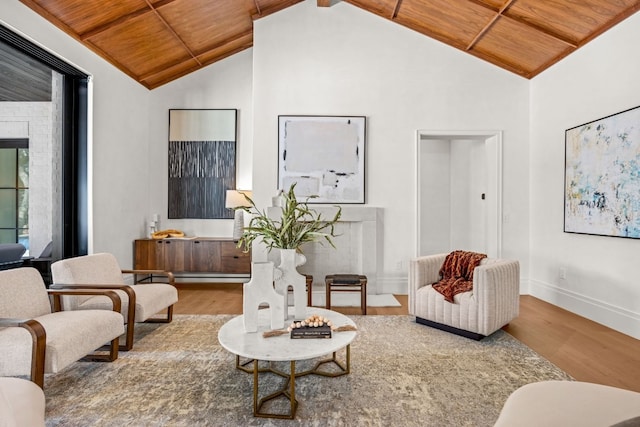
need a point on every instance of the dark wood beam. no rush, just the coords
(490, 23)
(173, 33)
(396, 9)
(123, 19)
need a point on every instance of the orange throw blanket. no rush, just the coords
(457, 273)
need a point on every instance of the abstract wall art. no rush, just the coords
(324, 156)
(202, 162)
(602, 176)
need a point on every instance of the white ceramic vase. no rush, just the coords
(290, 278)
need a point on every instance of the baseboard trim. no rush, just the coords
(393, 283)
(617, 318)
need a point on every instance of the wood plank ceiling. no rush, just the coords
(157, 41)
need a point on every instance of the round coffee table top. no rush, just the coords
(282, 348)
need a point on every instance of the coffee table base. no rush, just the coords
(289, 389)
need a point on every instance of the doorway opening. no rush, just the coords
(459, 192)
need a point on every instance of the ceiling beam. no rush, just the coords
(503, 12)
(262, 12)
(248, 35)
(396, 9)
(123, 19)
(490, 23)
(172, 31)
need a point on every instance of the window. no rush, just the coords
(25, 76)
(14, 191)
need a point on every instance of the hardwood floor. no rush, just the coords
(584, 349)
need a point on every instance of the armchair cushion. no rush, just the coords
(151, 298)
(490, 304)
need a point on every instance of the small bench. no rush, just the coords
(347, 283)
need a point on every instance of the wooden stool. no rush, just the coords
(309, 290)
(347, 283)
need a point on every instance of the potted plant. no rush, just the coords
(297, 225)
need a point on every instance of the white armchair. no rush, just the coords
(492, 303)
(21, 403)
(34, 339)
(140, 302)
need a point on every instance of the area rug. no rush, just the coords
(402, 374)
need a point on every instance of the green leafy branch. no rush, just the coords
(297, 225)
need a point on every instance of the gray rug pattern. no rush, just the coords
(402, 374)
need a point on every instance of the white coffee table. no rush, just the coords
(255, 347)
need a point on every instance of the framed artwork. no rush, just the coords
(202, 162)
(324, 156)
(602, 176)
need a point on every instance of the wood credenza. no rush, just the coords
(211, 255)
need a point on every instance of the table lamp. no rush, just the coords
(236, 199)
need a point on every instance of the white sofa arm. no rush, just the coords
(423, 271)
(496, 287)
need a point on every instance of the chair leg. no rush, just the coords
(113, 353)
(129, 336)
(168, 319)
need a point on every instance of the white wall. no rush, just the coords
(435, 196)
(119, 137)
(602, 274)
(225, 84)
(342, 60)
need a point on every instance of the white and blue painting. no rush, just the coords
(602, 176)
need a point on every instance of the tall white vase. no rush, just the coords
(260, 290)
(290, 278)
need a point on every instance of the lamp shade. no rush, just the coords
(235, 198)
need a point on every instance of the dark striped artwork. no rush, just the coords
(200, 172)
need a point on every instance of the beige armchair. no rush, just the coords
(570, 403)
(140, 301)
(492, 303)
(34, 339)
(21, 403)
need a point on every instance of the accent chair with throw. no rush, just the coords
(464, 292)
(140, 301)
(36, 339)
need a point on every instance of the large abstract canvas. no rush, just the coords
(202, 162)
(324, 156)
(602, 176)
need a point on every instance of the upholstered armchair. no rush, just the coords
(140, 301)
(492, 303)
(36, 339)
(21, 403)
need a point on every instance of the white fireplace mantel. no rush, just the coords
(358, 244)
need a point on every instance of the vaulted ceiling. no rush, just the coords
(157, 41)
